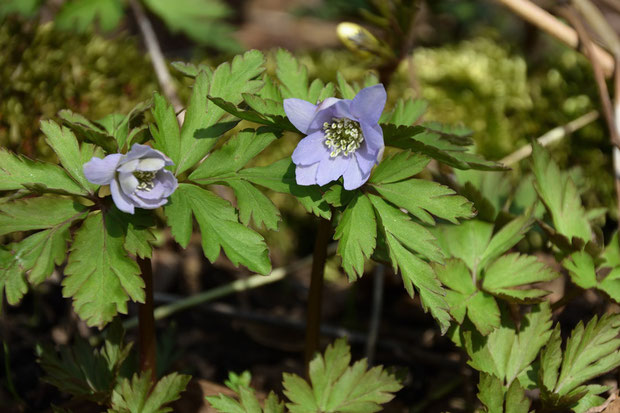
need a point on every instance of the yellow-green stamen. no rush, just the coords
(342, 135)
(145, 179)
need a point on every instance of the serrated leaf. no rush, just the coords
(580, 266)
(516, 400)
(138, 233)
(401, 165)
(219, 228)
(41, 212)
(232, 156)
(338, 387)
(280, 177)
(165, 130)
(293, 76)
(37, 254)
(139, 394)
(423, 140)
(228, 82)
(274, 120)
(100, 276)
(64, 143)
(590, 352)
(83, 372)
(506, 352)
(560, 196)
(337, 196)
(201, 20)
(507, 237)
(17, 172)
(346, 90)
(357, 234)
(491, 393)
(403, 236)
(248, 402)
(466, 241)
(406, 112)
(464, 297)
(254, 205)
(78, 15)
(423, 198)
(506, 276)
(190, 69)
(117, 125)
(87, 130)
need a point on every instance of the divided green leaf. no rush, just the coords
(17, 172)
(83, 372)
(560, 196)
(219, 227)
(590, 351)
(337, 387)
(140, 395)
(423, 198)
(99, 275)
(357, 232)
(508, 353)
(405, 239)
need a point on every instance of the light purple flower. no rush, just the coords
(343, 137)
(137, 179)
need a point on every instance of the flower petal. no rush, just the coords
(101, 171)
(342, 109)
(128, 182)
(150, 164)
(330, 169)
(353, 177)
(300, 113)
(368, 104)
(373, 135)
(310, 149)
(325, 113)
(168, 181)
(122, 201)
(306, 175)
(139, 151)
(366, 158)
(145, 203)
(128, 166)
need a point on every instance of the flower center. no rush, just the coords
(145, 179)
(342, 135)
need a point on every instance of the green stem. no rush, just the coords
(146, 321)
(313, 315)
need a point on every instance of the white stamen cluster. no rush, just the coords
(145, 179)
(342, 135)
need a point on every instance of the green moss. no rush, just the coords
(43, 71)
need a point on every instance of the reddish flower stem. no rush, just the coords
(146, 321)
(313, 315)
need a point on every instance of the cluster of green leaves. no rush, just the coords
(589, 263)
(98, 376)
(335, 386)
(201, 20)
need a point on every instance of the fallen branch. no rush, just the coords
(157, 58)
(550, 24)
(554, 135)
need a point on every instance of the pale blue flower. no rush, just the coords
(137, 179)
(343, 137)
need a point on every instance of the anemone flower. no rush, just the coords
(137, 179)
(343, 137)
